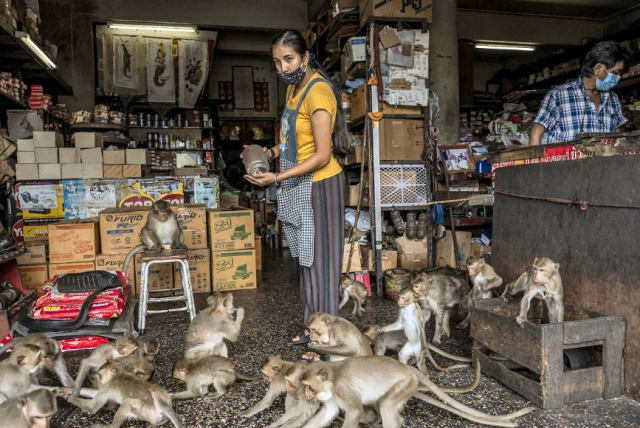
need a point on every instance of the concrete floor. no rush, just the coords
(273, 317)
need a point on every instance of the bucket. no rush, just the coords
(396, 280)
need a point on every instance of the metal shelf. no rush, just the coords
(114, 140)
(168, 128)
(6, 100)
(98, 127)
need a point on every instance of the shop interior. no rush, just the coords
(111, 112)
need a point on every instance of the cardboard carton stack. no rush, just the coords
(73, 246)
(233, 253)
(193, 222)
(38, 157)
(32, 265)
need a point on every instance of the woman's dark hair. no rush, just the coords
(295, 41)
(607, 53)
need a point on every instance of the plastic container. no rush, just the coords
(255, 160)
(483, 167)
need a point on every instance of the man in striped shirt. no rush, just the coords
(587, 104)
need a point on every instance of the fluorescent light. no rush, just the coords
(35, 49)
(153, 27)
(505, 47)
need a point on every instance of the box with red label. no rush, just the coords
(36, 254)
(199, 271)
(39, 199)
(73, 241)
(120, 229)
(35, 229)
(144, 192)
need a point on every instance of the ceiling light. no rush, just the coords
(153, 27)
(505, 47)
(27, 41)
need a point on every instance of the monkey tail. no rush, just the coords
(442, 369)
(243, 376)
(166, 410)
(135, 250)
(447, 355)
(463, 389)
(467, 416)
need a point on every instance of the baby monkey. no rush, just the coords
(273, 370)
(484, 280)
(357, 291)
(122, 347)
(33, 410)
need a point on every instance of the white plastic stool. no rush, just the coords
(149, 258)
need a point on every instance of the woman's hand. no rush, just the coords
(261, 179)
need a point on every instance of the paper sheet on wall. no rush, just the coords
(86, 198)
(403, 89)
(160, 77)
(193, 60)
(420, 55)
(125, 61)
(402, 54)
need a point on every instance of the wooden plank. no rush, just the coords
(590, 330)
(502, 335)
(613, 361)
(585, 384)
(552, 378)
(518, 153)
(528, 388)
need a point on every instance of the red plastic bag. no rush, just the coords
(82, 343)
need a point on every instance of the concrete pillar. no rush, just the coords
(444, 76)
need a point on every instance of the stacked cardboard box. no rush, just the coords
(32, 265)
(38, 157)
(73, 246)
(232, 243)
(7, 162)
(193, 222)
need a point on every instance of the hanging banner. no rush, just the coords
(193, 58)
(160, 81)
(125, 61)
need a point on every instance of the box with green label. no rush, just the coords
(231, 229)
(233, 270)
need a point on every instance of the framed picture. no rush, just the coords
(457, 157)
(243, 87)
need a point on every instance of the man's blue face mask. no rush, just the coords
(608, 83)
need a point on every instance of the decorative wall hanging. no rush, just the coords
(125, 61)
(193, 61)
(160, 71)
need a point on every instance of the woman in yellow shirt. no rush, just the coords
(311, 183)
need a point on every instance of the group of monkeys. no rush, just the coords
(370, 388)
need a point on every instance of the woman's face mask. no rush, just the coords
(608, 83)
(294, 77)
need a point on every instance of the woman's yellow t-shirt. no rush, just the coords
(319, 97)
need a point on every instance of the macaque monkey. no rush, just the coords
(16, 372)
(139, 368)
(336, 337)
(200, 374)
(162, 228)
(138, 400)
(298, 410)
(484, 280)
(383, 342)
(147, 349)
(33, 410)
(385, 384)
(273, 370)
(440, 294)
(357, 291)
(542, 281)
(210, 327)
(121, 347)
(51, 354)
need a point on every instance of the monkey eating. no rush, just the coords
(542, 281)
(298, 410)
(33, 410)
(336, 337)
(16, 371)
(273, 370)
(385, 384)
(201, 373)
(147, 349)
(121, 347)
(210, 327)
(484, 280)
(162, 228)
(51, 354)
(440, 293)
(138, 400)
(357, 291)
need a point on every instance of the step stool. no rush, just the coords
(149, 258)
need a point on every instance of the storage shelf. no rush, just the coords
(10, 255)
(114, 140)
(6, 100)
(98, 127)
(168, 128)
(473, 221)
(181, 150)
(460, 176)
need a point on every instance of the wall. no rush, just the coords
(70, 24)
(483, 71)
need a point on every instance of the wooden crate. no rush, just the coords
(537, 351)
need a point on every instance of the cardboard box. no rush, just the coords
(112, 171)
(87, 140)
(412, 254)
(26, 157)
(160, 278)
(47, 139)
(138, 157)
(120, 229)
(68, 155)
(74, 240)
(114, 157)
(356, 259)
(231, 229)
(78, 267)
(116, 262)
(389, 258)
(33, 276)
(258, 246)
(358, 103)
(193, 222)
(36, 254)
(25, 145)
(91, 155)
(228, 201)
(199, 271)
(36, 229)
(479, 250)
(46, 155)
(399, 109)
(395, 9)
(48, 171)
(355, 156)
(71, 170)
(92, 170)
(355, 50)
(352, 193)
(132, 171)
(445, 256)
(233, 270)
(26, 171)
(401, 139)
